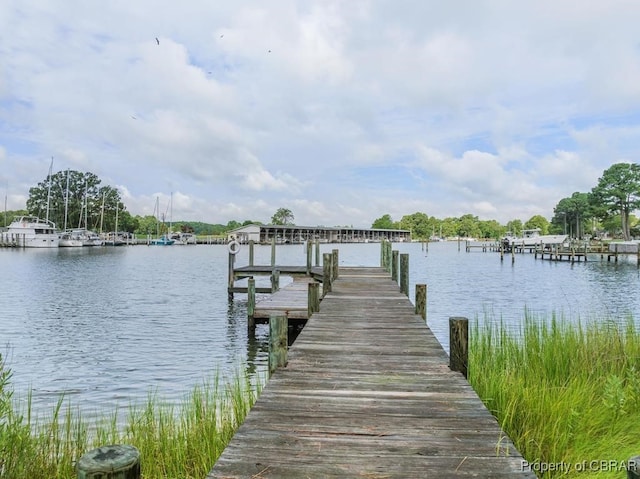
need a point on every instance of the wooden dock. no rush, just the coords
(367, 393)
(290, 301)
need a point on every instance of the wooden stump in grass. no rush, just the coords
(110, 462)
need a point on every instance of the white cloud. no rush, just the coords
(497, 109)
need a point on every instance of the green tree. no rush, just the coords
(491, 229)
(469, 226)
(385, 223)
(420, 225)
(572, 214)
(515, 227)
(68, 197)
(283, 216)
(538, 221)
(618, 192)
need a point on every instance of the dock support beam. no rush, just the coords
(459, 345)
(251, 252)
(231, 281)
(275, 281)
(251, 306)
(394, 265)
(313, 299)
(421, 301)
(278, 340)
(309, 255)
(326, 273)
(110, 462)
(404, 273)
(334, 264)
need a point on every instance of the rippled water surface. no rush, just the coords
(107, 326)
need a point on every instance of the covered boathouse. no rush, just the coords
(264, 234)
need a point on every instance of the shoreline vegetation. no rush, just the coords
(178, 442)
(566, 392)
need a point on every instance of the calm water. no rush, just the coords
(107, 326)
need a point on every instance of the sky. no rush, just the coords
(341, 111)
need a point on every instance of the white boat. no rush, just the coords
(33, 232)
(80, 237)
(180, 238)
(532, 238)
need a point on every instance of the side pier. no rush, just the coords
(367, 392)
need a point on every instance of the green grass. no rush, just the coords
(565, 392)
(174, 441)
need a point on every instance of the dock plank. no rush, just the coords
(368, 393)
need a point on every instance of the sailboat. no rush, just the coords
(179, 237)
(160, 240)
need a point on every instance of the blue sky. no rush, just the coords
(341, 111)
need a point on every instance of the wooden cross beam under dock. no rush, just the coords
(367, 392)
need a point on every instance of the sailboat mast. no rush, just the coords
(49, 188)
(66, 202)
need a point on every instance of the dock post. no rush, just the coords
(313, 299)
(394, 265)
(404, 273)
(459, 344)
(278, 331)
(317, 252)
(251, 305)
(273, 251)
(110, 462)
(231, 278)
(334, 264)
(421, 301)
(275, 280)
(251, 252)
(309, 254)
(326, 273)
(513, 253)
(501, 251)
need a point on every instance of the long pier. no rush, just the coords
(367, 392)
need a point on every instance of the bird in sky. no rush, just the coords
(157, 41)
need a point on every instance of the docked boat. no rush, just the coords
(163, 240)
(80, 237)
(33, 232)
(532, 238)
(181, 238)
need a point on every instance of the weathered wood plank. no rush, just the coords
(367, 392)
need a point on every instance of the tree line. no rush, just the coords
(607, 208)
(74, 199)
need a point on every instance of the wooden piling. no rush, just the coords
(421, 301)
(404, 273)
(251, 305)
(275, 280)
(231, 276)
(309, 256)
(317, 253)
(278, 338)
(459, 344)
(110, 462)
(335, 272)
(273, 251)
(313, 299)
(251, 244)
(326, 273)
(394, 265)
